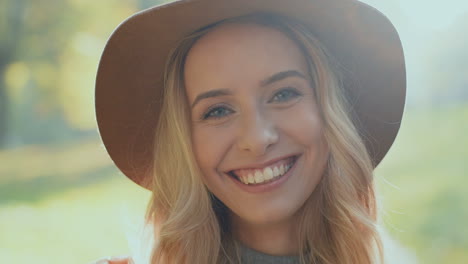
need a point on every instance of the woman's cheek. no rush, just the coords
(305, 126)
(210, 145)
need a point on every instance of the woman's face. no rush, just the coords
(256, 129)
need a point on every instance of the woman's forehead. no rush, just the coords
(238, 54)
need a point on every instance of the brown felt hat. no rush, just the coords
(130, 73)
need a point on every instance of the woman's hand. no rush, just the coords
(114, 260)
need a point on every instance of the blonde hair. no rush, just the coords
(337, 222)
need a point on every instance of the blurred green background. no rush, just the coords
(62, 201)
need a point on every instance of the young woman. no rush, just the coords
(256, 124)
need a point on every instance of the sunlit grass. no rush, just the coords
(31, 161)
(67, 204)
(76, 226)
(421, 183)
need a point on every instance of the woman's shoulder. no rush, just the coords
(114, 260)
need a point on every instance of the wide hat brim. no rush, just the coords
(130, 74)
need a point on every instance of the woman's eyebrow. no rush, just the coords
(280, 76)
(212, 93)
(274, 78)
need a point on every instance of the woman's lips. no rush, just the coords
(266, 185)
(263, 175)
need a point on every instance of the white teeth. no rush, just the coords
(281, 169)
(251, 178)
(244, 179)
(259, 177)
(276, 172)
(268, 173)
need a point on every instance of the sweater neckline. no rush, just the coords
(249, 255)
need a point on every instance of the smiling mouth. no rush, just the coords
(265, 175)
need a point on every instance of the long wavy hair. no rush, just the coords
(337, 223)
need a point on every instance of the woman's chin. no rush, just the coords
(265, 216)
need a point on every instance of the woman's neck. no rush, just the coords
(276, 239)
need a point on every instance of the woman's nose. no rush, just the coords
(257, 134)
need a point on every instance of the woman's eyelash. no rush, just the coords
(286, 93)
(283, 95)
(212, 110)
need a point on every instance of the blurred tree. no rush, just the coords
(11, 30)
(49, 51)
(49, 54)
(36, 33)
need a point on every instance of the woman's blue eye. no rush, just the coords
(217, 112)
(285, 94)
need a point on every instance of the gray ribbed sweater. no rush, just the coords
(250, 256)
